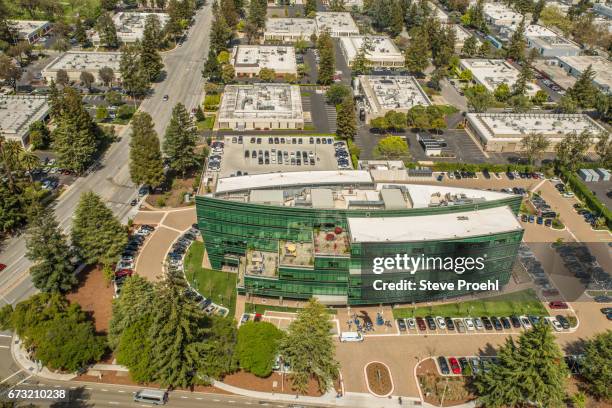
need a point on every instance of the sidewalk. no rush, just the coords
(23, 360)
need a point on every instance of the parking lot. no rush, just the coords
(457, 141)
(243, 155)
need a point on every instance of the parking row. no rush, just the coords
(472, 365)
(449, 325)
(125, 267)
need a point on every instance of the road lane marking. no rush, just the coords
(113, 403)
(120, 391)
(10, 376)
(4, 347)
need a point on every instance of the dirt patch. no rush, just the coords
(123, 378)
(95, 296)
(379, 379)
(174, 195)
(575, 384)
(454, 390)
(249, 381)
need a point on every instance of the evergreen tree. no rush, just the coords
(485, 49)
(530, 371)
(220, 34)
(97, 236)
(310, 7)
(537, 11)
(134, 78)
(146, 165)
(525, 76)
(309, 349)
(107, 31)
(75, 138)
(584, 91)
(360, 64)
(48, 249)
(417, 54)
(212, 68)
(346, 123)
(597, 365)
(470, 47)
(327, 67)
(397, 19)
(445, 49)
(180, 141)
(150, 60)
(517, 43)
(80, 34)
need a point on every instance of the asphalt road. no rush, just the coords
(183, 83)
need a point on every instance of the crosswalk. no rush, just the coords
(332, 116)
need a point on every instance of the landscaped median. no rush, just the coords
(524, 302)
(218, 286)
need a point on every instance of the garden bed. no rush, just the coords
(378, 378)
(243, 379)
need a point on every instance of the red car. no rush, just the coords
(2, 267)
(557, 304)
(421, 323)
(258, 317)
(123, 272)
(454, 365)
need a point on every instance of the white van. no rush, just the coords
(350, 336)
(155, 397)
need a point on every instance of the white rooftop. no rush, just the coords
(421, 194)
(535, 30)
(17, 112)
(492, 73)
(516, 125)
(130, 25)
(261, 101)
(85, 61)
(298, 178)
(461, 34)
(303, 26)
(278, 58)
(335, 22)
(26, 27)
(388, 92)
(379, 48)
(433, 227)
(600, 65)
(501, 14)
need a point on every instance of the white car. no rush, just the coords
(525, 322)
(411, 323)
(478, 324)
(568, 194)
(555, 324)
(469, 323)
(440, 322)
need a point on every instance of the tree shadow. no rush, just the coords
(77, 398)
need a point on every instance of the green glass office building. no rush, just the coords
(305, 234)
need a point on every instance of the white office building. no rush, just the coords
(493, 73)
(130, 26)
(289, 30)
(339, 24)
(248, 60)
(600, 65)
(500, 15)
(18, 112)
(380, 51)
(76, 62)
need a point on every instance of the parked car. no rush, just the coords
(401, 325)
(496, 323)
(443, 364)
(486, 322)
(557, 304)
(440, 322)
(431, 323)
(450, 325)
(411, 323)
(421, 323)
(454, 365)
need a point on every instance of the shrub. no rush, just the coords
(257, 347)
(211, 102)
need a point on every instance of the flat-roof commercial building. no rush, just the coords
(602, 68)
(492, 73)
(500, 15)
(76, 62)
(339, 24)
(380, 51)
(503, 132)
(31, 30)
(130, 26)
(461, 36)
(18, 112)
(383, 93)
(548, 43)
(316, 233)
(248, 60)
(261, 107)
(289, 30)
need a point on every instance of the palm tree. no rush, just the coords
(29, 161)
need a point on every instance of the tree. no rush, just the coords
(107, 75)
(61, 77)
(417, 53)
(87, 79)
(310, 7)
(11, 208)
(180, 141)
(596, 365)
(309, 349)
(80, 35)
(9, 72)
(134, 77)
(502, 92)
(470, 47)
(48, 249)
(150, 60)
(537, 11)
(603, 148)
(571, 150)
(584, 91)
(75, 138)
(146, 165)
(567, 104)
(134, 350)
(530, 371)
(58, 333)
(466, 75)
(220, 34)
(485, 49)
(517, 43)
(336, 94)
(346, 125)
(417, 117)
(257, 347)
(113, 98)
(534, 145)
(392, 148)
(360, 64)
(525, 76)
(397, 19)
(519, 103)
(39, 135)
(212, 68)
(97, 236)
(327, 61)
(107, 31)
(109, 5)
(479, 98)
(267, 74)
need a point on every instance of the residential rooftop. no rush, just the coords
(279, 58)
(379, 48)
(85, 61)
(257, 101)
(514, 126)
(338, 23)
(600, 65)
(439, 227)
(492, 73)
(392, 92)
(18, 112)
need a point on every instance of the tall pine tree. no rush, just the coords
(180, 141)
(146, 166)
(150, 60)
(346, 123)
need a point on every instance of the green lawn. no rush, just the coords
(518, 303)
(259, 308)
(207, 123)
(216, 285)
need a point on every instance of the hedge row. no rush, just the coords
(586, 196)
